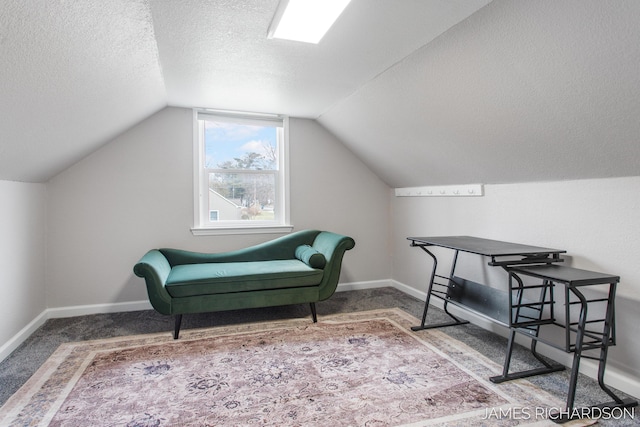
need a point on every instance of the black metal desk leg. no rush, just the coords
(456, 321)
(431, 280)
(507, 360)
(546, 285)
(607, 334)
(575, 367)
(512, 334)
(514, 325)
(582, 319)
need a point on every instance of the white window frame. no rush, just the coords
(201, 224)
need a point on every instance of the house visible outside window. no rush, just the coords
(241, 179)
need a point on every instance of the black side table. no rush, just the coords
(580, 335)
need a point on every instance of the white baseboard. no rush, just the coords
(54, 313)
(15, 341)
(354, 286)
(408, 290)
(614, 377)
(83, 310)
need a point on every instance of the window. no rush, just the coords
(240, 181)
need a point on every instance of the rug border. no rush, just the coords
(25, 395)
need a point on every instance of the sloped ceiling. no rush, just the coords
(73, 75)
(425, 92)
(220, 56)
(520, 91)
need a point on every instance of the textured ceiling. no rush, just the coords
(522, 91)
(73, 74)
(425, 92)
(216, 53)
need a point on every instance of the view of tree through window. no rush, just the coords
(241, 163)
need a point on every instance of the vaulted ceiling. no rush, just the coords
(426, 92)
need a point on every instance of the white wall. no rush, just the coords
(334, 190)
(136, 193)
(596, 221)
(22, 258)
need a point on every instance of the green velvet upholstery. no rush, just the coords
(310, 256)
(269, 274)
(223, 278)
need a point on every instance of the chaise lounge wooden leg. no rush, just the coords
(176, 331)
(313, 312)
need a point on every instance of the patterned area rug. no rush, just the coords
(358, 369)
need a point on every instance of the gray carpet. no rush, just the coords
(24, 361)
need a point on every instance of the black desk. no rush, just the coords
(479, 298)
(526, 308)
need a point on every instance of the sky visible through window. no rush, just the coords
(225, 142)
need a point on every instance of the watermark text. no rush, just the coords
(526, 413)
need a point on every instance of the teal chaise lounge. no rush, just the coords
(301, 267)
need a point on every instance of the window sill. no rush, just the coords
(259, 229)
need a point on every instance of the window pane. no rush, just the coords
(242, 196)
(242, 178)
(240, 146)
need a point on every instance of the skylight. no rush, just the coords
(305, 20)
